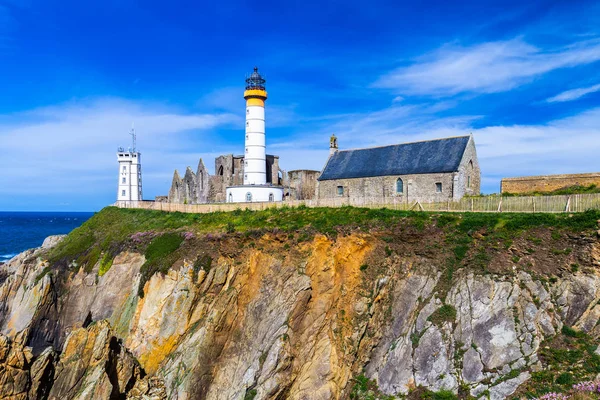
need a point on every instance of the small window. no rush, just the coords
(247, 111)
(246, 149)
(438, 187)
(340, 190)
(247, 123)
(246, 163)
(230, 198)
(246, 137)
(469, 181)
(249, 197)
(124, 168)
(122, 193)
(124, 180)
(271, 197)
(399, 186)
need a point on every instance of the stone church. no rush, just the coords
(427, 171)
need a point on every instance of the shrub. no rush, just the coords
(570, 332)
(441, 395)
(565, 379)
(250, 394)
(445, 313)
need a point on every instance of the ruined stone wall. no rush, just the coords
(547, 183)
(273, 169)
(302, 184)
(201, 187)
(237, 176)
(415, 187)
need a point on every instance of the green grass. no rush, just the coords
(105, 263)
(575, 189)
(441, 395)
(41, 275)
(159, 257)
(568, 357)
(250, 394)
(445, 313)
(366, 389)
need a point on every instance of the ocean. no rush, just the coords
(20, 231)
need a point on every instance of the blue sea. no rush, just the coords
(20, 231)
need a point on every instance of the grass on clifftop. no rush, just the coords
(110, 231)
(569, 190)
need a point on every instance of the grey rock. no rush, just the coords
(52, 241)
(506, 388)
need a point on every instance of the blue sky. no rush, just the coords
(523, 77)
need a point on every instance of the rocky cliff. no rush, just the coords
(303, 304)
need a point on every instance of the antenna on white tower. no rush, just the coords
(132, 133)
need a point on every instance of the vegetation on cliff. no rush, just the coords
(159, 235)
(406, 284)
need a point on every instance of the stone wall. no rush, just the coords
(415, 187)
(301, 184)
(547, 183)
(468, 179)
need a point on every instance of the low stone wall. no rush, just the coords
(415, 188)
(547, 183)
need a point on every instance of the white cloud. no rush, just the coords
(70, 149)
(485, 68)
(565, 145)
(573, 94)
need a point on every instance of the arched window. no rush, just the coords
(469, 173)
(399, 186)
(249, 197)
(220, 171)
(271, 197)
(230, 198)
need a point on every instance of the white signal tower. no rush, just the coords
(130, 172)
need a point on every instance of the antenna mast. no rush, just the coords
(132, 133)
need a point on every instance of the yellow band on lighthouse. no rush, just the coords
(257, 93)
(253, 101)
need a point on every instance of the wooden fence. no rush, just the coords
(529, 204)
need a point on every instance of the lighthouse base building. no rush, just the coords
(251, 194)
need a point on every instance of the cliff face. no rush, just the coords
(280, 315)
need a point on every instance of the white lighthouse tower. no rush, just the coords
(255, 187)
(130, 173)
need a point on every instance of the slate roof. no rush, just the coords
(432, 156)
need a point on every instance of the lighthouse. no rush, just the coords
(255, 187)
(255, 160)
